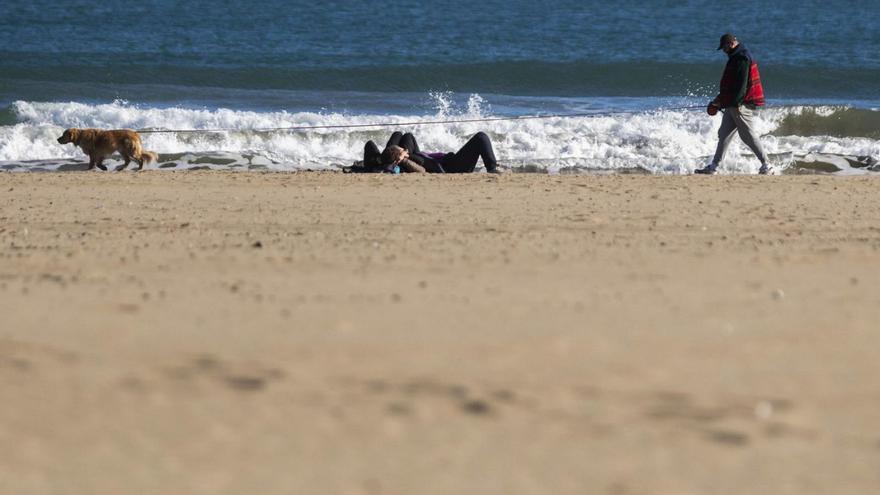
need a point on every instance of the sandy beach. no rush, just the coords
(321, 333)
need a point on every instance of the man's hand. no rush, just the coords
(712, 108)
(399, 156)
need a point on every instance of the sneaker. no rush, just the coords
(765, 170)
(707, 170)
(496, 170)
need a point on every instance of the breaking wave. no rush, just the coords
(798, 138)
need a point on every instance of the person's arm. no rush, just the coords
(410, 166)
(743, 66)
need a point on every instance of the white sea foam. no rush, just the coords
(673, 141)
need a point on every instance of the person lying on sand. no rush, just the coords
(402, 150)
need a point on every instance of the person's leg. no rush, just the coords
(465, 160)
(409, 143)
(744, 117)
(372, 155)
(394, 140)
(725, 134)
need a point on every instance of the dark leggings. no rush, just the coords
(406, 141)
(463, 161)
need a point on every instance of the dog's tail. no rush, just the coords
(149, 156)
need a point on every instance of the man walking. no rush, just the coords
(741, 94)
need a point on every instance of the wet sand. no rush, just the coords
(314, 333)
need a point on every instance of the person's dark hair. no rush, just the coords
(389, 153)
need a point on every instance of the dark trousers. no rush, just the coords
(465, 160)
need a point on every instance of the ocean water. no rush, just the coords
(255, 75)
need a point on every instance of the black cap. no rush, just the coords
(725, 39)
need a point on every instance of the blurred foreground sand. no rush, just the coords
(319, 333)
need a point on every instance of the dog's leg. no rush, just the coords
(140, 162)
(124, 165)
(91, 163)
(100, 163)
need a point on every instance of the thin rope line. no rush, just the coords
(397, 124)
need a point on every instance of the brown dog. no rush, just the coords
(99, 144)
